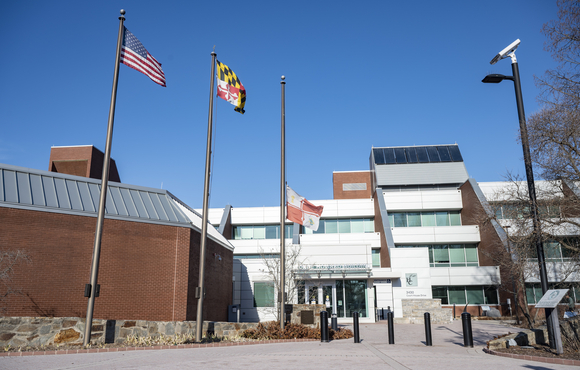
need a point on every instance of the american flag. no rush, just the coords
(134, 55)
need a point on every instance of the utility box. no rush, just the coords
(234, 313)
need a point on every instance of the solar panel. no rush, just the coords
(422, 155)
(400, 155)
(389, 155)
(444, 154)
(379, 156)
(433, 154)
(455, 154)
(417, 154)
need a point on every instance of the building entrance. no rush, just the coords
(342, 297)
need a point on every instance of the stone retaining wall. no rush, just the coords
(414, 311)
(569, 329)
(38, 331)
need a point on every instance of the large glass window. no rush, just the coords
(415, 219)
(343, 226)
(376, 255)
(440, 292)
(428, 218)
(449, 255)
(263, 294)
(262, 232)
(457, 295)
(461, 295)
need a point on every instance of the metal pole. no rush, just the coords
(199, 294)
(103, 195)
(532, 193)
(427, 318)
(324, 326)
(467, 332)
(355, 327)
(391, 327)
(281, 297)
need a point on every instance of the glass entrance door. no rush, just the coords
(321, 293)
(328, 298)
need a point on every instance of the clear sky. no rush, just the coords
(358, 74)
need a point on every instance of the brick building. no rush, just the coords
(149, 262)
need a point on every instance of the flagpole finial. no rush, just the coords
(283, 77)
(122, 14)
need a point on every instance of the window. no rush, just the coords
(262, 232)
(470, 294)
(376, 255)
(449, 255)
(343, 226)
(440, 292)
(263, 294)
(416, 219)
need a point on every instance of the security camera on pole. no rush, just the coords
(551, 314)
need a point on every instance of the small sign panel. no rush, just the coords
(551, 298)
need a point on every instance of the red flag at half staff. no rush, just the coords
(302, 211)
(134, 55)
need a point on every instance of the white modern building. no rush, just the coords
(405, 229)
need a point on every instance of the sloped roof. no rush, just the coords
(45, 191)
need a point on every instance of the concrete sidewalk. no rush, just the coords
(408, 352)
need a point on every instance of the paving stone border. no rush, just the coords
(150, 348)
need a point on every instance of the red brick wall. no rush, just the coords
(86, 161)
(339, 178)
(144, 268)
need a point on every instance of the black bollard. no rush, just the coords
(467, 333)
(334, 322)
(428, 340)
(355, 327)
(391, 325)
(324, 326)
(382, 313)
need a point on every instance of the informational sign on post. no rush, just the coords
(551, 298)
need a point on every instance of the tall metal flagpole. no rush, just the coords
(92, 287)
(281, 297)
(200, 290)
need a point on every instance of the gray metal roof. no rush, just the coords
(54, 192)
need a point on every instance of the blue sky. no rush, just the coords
(359, 74)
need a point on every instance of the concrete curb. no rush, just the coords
(548, 360)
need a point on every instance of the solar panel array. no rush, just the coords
(417, 154)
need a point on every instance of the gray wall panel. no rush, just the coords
(421, 174)
(129, 203)
(149, 205)
(159, 207)
(61, 193)
(37, 190)
(74, 195)
(86, 198)
(49, 191)
(10, 186)
(138, 203)
(118, 198)
(2, 185)
(24, 192)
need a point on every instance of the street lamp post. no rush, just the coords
(551, 318)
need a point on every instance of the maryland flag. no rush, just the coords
(230, 88)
